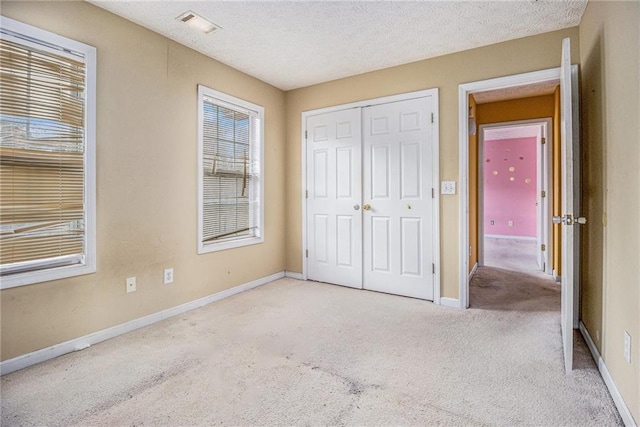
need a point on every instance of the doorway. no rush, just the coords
(514, 195)
(370, 208)
(509, 83)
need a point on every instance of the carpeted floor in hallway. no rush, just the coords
(302, 353)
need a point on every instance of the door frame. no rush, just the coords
(543, 168)
(464, 90)
(433, 93)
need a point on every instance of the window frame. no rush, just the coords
(44, 40)
(233, 242)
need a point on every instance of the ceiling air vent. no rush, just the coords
(196, 21)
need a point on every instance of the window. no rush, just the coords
(47, 156)
(229, 171)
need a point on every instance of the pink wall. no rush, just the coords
(510, 195)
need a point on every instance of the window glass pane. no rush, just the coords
(229, 210)
(42, 164)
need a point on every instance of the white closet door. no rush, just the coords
(334, 219)
(397, 199)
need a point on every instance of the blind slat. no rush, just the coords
(228, 175)
(42, 164)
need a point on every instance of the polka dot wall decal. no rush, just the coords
(495, 172)
(521, 158)
(512, 179)
(511, 169)
(505, 159)
(527, 181)
(488, 160)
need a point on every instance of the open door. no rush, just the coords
(570, 203)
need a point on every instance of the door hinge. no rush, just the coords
(544, 140)
(307, 253)
(306, 194)
(433, 193)
(433, 268)
(431, 117)
(306, 135)
(543, 194)
(543, 247)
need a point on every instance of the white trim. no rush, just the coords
(294, 275)
(500, 236)
(256, 111)
(450, 302)
(30, 36)
(463, 149)
(81, 343)
(623, 409)
(473, 271)
(433, 93)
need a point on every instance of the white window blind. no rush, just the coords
(42, 157)
(230, 172)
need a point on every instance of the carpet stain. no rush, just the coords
(138, 389)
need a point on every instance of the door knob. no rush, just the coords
(356, 206)
(568, 219)
(367, 207)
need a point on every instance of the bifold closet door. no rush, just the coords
(334, 180)
(397, 198)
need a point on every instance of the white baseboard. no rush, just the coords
(450, 302)
(508, 237)
(623, 409)
(38, 356)
(293, 275)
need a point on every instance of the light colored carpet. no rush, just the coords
(304, 353)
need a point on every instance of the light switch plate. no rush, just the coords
(448, 187)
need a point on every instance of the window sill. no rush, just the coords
(33, 277)
(221, 246)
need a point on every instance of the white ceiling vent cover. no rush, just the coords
(198, 22)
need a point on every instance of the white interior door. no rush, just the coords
(334, 219)
(544, 196)
(570, 204)
(397, 198)
(540, 200)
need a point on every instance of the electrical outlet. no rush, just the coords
(448, 187)
(168, 276)
(509, 223)
(627, 346)
(131, 284)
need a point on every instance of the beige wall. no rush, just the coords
(446, 73)
(610, 58)
(146, 183)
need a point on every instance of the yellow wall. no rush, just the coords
(473, 188)
(446, 73)
(535, 107)
(610, 294)
(146, 183)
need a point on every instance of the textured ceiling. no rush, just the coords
(292, 44)
(526, 91)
